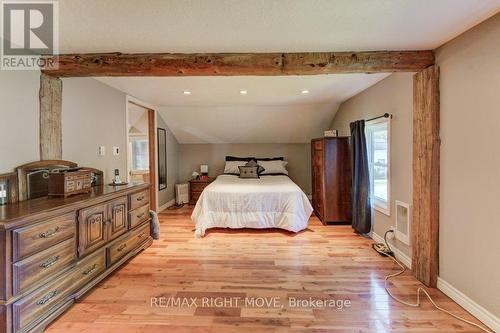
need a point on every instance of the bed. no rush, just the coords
(272, 201)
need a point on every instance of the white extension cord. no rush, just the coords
(419, 291)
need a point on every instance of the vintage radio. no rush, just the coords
(66, 182)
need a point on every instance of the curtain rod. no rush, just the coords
(385, 115)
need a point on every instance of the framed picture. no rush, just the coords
(162, 159)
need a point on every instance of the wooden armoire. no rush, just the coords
(331, 179)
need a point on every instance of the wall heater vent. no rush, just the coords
(181, 193)
(403, 222)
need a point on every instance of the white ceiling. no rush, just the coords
(248, 123)
(273, 111)
(264, 25)
(262, 90)
(137, 120)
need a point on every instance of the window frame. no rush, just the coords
(377, 204)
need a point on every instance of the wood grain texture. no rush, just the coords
(224, 64)
(331, 179)
(321, 262)
(10, 179)
(50, 117)
(426, 144)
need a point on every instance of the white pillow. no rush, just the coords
(232, 166)
(275, 166)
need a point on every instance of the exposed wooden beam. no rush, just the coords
(50, 118)
(426, 144)
(227, 64)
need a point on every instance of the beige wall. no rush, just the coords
(93, 115)
(19, 126)
(298, 156)
(168, 194)
(470, 157)
(393, 95)
(470, 164)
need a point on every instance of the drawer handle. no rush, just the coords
(90, 270)
(51, 261)
(49, 233)
(141, 235)
(48, 297)
(140, 216)
(122, 247)
(140, 198)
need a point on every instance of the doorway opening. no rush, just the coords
(141, 143)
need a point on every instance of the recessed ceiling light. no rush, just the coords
(187, 92)
(243, 92)
(305, 91)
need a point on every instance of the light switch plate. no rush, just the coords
(116, 151)
(102, 150)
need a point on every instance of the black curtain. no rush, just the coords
(361, 205)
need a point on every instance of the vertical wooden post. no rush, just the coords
(50, 118)
(426, 142)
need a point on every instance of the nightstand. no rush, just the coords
(196, 186)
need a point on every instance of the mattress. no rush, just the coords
(267, 202)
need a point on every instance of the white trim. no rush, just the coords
(468, 304)
(146, 105)
(165, 206)
(400, 255)
(377, 206)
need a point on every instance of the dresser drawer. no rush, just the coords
(138, 216)
(38, 237)
(37, 304)
(127, 243)
(40, 303)
(138, 199)
(195, 195)
(33, 270)
(88, 268)
(198, 187)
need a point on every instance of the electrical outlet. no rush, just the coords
(116, 151)
(102, 151)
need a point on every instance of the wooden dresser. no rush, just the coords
(196, 186)
(53, 250)
(331, 179)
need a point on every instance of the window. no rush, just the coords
(378, 143)
(140, 154)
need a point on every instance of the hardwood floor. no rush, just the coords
(323, 262)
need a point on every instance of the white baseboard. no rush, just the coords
(165, 206)
(468, 304)
(460, 298)
(400, 255)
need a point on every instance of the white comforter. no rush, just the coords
(268, 202)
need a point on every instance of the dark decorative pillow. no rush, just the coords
(249, 172)
(234, 158)
(271, 159)
(253, 163)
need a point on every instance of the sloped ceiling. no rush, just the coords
(137, 120)
(274, 110)
(264, 25)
